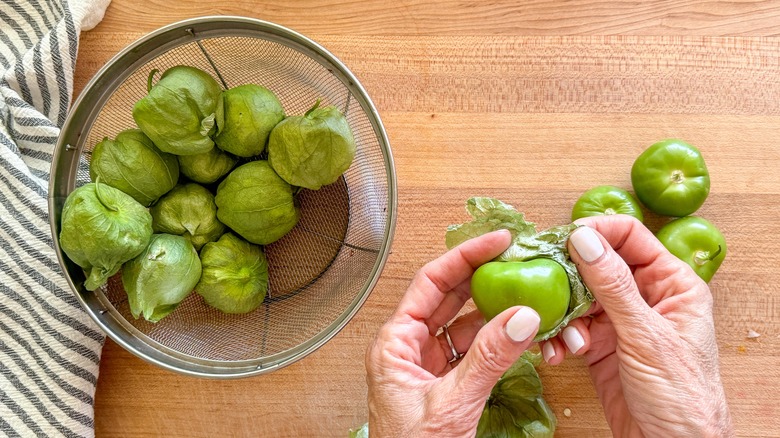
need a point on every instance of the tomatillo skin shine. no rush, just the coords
(541, 284)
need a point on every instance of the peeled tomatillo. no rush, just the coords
(541, 284)
(604, 201)
(671, 178)
(695, 241)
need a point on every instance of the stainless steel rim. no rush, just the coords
(84, 112)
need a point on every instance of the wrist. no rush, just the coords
(720, 424)
(714, 422)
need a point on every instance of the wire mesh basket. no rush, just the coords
(319, 274)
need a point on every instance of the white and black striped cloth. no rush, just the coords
(49, 349)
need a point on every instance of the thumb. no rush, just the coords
(496, 347)
(609, 278)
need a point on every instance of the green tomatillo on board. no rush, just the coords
(697, 242)
(604, 201)
(541, 284)
(671, 178)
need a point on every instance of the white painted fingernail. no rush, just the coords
(522, 324)
(573, 339)
(587, 244)
(548, 351)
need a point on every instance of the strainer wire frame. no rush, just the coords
(72, 140)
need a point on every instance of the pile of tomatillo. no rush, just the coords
(187, 200)
(670, 178)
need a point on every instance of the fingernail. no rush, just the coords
(587, 244)
(522, 324)
(548, 351)
(573, 339)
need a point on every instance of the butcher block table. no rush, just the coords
(531, 102)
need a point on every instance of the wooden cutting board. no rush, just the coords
(532, 103)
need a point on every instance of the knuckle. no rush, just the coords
(707, 299)
(425, 277)
(700, 300)
(631, 221)
(438, 282)
(488, 358)
(377, 350)
(615, 280)
(463, 293)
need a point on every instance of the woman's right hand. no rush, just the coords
(649, 342)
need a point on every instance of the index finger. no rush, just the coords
(656, 271)
(436, 279)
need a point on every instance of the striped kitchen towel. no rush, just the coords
(49, 348)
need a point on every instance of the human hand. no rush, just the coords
(649, 343)
(415, 386)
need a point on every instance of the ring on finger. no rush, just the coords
(455, 354)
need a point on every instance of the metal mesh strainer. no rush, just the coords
(320, 273)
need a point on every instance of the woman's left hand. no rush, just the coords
(415, 385)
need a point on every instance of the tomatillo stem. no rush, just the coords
(703, 257)
(316, 105)
(150, 79)
(99, 198)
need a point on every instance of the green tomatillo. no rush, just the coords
(256, 203)
(312, 150)
(103, 227)
(541, 284)
(180, 110)
(207, 167)
(546, 247)
(234, 278)
(246, 118)
(606, 200)
(134, 165)
(695, 241)
(188, 210)
(671, 178)
(161, 277)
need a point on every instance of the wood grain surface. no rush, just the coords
(531, 102)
